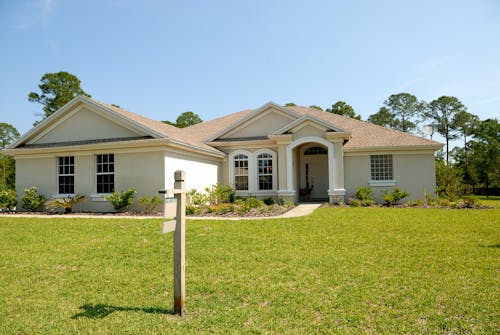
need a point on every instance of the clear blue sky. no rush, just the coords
(162, 58)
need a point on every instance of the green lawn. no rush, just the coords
(340, 270)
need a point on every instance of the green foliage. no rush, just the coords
(221, 209)
(65, 203)
(316, 107)
(57, 89)
(383, 118)
(365, 196)
(8, 200)
(269, 201)
(393, 198)
(195, 198)
(149, 203)
(121, 200)
(449, 182)
(290, 104)
(185, 119)
(8, 134)
(219, 193)
(406, 110)
(31, 200)
(342, 108)
(443, 112)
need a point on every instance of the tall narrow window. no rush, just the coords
(381, 167)
(105, 171)
(265, 171)
(66, 175)
(241, 172)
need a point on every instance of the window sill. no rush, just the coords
(382, 182)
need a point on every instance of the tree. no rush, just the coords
(184, 120)
(316, 107)
(466, 123)
(443, 111)
(57, 89)
(8, 134)
(290, 104)
(405, 108)
(342, 108)
(484, 157)
(383, 118)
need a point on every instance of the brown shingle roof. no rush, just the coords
(363, 134)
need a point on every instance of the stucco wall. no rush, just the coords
(143, 171)
(263, 126)
(414, 173)
(84, 125)
(200, 172)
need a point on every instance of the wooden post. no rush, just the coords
(178, 226)
(180, 244)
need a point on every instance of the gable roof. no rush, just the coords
(364, 135)
(304, 119)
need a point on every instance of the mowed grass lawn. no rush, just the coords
(339, 270)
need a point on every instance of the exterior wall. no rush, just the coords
(263, 126)
(200, 172)
(85, 125)
(308, 131)
(413, 173)
(142, 170)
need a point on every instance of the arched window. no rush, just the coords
(315, 151)
(240, 172)
(265, 171)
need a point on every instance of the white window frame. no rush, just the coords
(251, 170)
(256, 171)
(59, 194)
(382, 182)
(105, 173)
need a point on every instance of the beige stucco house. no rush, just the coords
(92, 148)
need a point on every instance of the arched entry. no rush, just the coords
(293, 163)
(313, 172)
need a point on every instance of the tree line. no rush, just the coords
(471, 167)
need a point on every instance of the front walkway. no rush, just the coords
(300, 210)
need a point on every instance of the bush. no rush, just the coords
(8, 200)
(195, 198)
(365, 196)
(31, 199)
(394, 197)
(192, 210)
(219, 194)
(149, 203)
(254, 203)
(121, 200)
(415, 203)
(353, 202)
(221, 209)
(429, 200)
(65, 203)
(269, 201)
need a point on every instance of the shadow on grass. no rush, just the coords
(100, 311)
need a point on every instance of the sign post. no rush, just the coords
(179, 228)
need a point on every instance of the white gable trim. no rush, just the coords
(309, 120)
(61, 115)
(253, 116)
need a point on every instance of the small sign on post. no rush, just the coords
(178, 226)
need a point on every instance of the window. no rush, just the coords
(66, 175)
(241, 172)
(265, 171)
(381, 167)
(315, 151)
(105, 171)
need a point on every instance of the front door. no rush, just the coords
(314, 172)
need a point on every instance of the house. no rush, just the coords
(92, 148)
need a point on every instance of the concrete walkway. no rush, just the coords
(299, 210)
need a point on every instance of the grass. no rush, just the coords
(339, 270)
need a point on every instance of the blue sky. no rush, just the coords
(162, 58)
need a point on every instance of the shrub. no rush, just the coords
(353, 202)
(8, 200)
(219, 194)
(429, 200)
(394, 197)
(149, 203)
(121, 200)
(254, 203)
(269, 201)
(192, 210)
(31, 199)
(415, 203)
(221, 209)
(195, 198)
(65, 203)
(365, 196)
